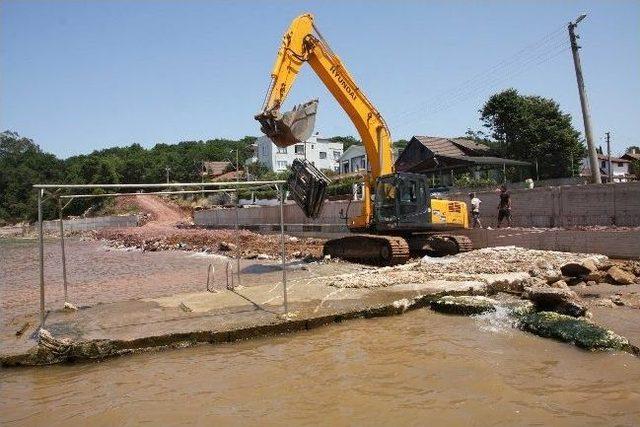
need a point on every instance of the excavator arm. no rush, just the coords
(303, 43)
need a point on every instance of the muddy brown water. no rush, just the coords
(420, 368)
(97, 273)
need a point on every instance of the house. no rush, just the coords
(442, 158)
(214, 169)
(633, 155)
(321, 152)
(620, 169)
(354, 159)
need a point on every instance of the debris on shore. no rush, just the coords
(251, 245)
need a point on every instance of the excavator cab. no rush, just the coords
(401, 202)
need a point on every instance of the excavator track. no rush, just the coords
(369, 249)
(437, 244)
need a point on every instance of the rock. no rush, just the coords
(225, 246)
(465, 305)
(596, 276)
(577, 269)
(296, 254)
(591, 283)
(263, 256)
(604, 302)
(251, 255)
(620, 277)
(293, 239)
(563, 301)
(581, 332)
(560, 284)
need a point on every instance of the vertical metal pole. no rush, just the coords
(537, 171)
(41, 253)
(584, 103)
(609, 168)
(284, 269)
(64, 258)
(237, 200)
(504, 173)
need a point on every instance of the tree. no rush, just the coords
(22, 164)
(533, 128)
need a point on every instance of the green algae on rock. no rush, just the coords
(579, 331)
(464, 305)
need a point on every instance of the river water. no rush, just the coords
(420, 368)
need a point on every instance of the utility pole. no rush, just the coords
(167, 170)
(586, 116)
(609, 171)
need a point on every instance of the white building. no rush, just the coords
(619, 167)
(355, 159)
(321, 152)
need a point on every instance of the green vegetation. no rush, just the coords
(467, 181)
(532, 128)
(23, 163)
(578, 331)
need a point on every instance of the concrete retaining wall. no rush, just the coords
(85, 224)
(566, 206)
(268, 215)
(615, 244)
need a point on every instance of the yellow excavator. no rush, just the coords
(399, 215)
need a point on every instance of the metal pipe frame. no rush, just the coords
(284, 266)
(161, 185)
(154, 193)
(278, 184)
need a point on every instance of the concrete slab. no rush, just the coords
(107, 330)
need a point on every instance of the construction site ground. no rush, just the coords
(319, 292)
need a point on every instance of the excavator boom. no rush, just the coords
(404, 211)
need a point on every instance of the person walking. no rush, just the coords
(475, 211)
(504, 207)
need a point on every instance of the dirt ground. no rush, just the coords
(163, 231)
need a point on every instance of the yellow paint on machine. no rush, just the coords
(449, 212)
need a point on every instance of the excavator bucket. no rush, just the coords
(291, 127)
(307, 186)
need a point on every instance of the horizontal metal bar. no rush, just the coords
(162, 185)
(220, 190)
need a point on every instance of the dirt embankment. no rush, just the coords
(162, 232)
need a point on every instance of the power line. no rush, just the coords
(481, 86)
(520, 56)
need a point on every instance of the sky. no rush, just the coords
(81, 76)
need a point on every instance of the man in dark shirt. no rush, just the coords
(504, 207)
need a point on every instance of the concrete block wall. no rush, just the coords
(615, 244)
(86, 224)
(565, 206)
(255, 216)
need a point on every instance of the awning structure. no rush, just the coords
(440, 162)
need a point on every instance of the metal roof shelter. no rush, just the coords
(435, 155)
(54, 191)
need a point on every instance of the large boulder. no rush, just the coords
(580, 332)
(578, 269)
(560, 300)
(464, 305)
(620, 277)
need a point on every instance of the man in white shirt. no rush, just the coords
(475, 211)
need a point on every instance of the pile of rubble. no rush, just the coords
(469, 266)
(225, 242)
